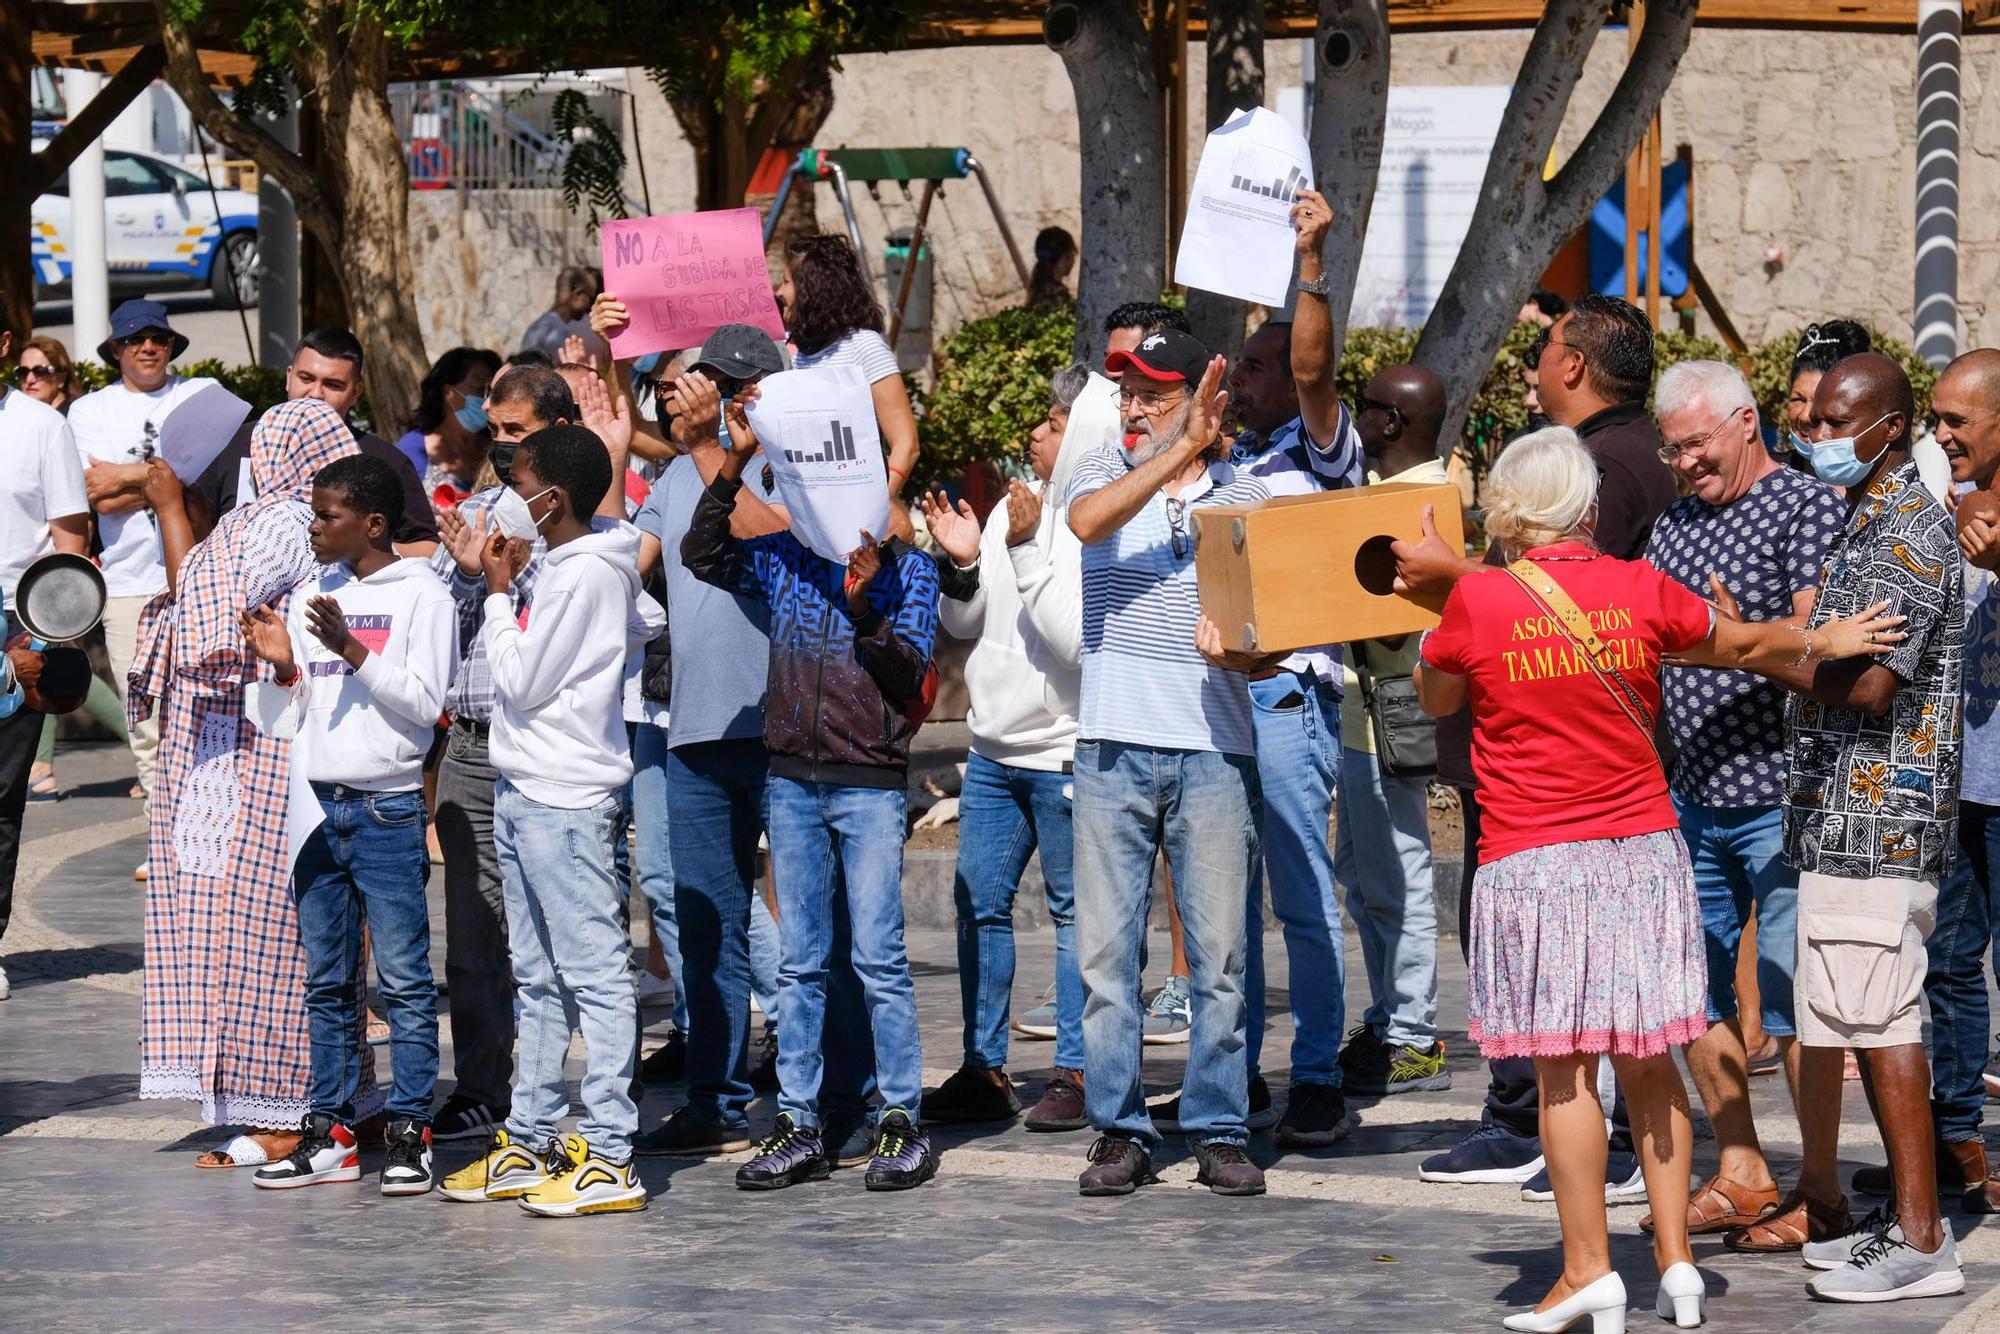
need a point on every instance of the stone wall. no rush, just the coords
(1803, 143)
(486, 262)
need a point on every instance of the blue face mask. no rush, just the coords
(1835, 460)
(473, 415)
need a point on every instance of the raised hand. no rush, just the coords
(1210, 403)
(863, 564)
(696, 405)
(463, 540)
(162, 488)
(610, 420)
(265, 632)
(955, 530)
(608, 316)
(328, 624)
(1024, 512)
(1311, 217)
(497, 562)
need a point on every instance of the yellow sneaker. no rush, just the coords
(507, 1171)
(580, 1182)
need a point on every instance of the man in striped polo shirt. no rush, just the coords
(1165, 761)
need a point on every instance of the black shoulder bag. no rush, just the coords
(1405, 736)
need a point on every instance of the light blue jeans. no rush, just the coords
(652, 853)
(571, 968)
(1382, 857)
(1005, 815)
(824, 835)
(1297, 722)
(1739, 861)
(1200, 807)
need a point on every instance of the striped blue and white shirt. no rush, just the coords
(1143, 682)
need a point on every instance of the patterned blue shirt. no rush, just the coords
(1729, 727)
(1981, 782)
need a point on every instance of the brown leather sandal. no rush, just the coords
(1722, 1205)
(1797, 1221)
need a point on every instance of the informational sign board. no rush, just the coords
(1238, 238)
(1434, 152)
(685, 275)
(817, 428)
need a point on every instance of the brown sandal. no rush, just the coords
(1797, 1221)
(1722, 1205)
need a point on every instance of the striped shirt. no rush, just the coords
(1143, 682)
(864, 349)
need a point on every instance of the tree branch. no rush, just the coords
(240, 134)
(1351, 107)
(1610, 140)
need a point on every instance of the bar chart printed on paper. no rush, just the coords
(838, 447)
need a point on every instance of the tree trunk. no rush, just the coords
(1521, 220)
(1235, 81)
(17, 283)
(729, 139)
(1104, 47)
(1350, 108)
(354, 203)
(811, 103)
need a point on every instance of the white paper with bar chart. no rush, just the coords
(818, 431)
(1237, 239)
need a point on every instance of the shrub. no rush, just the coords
(259, 386)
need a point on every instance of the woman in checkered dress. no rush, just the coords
(224, 1017)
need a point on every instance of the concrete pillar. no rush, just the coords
(90, 282)
(1939, 113)
(278, 258)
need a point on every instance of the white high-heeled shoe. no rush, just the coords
(1683, 1296)
(1603, 1302)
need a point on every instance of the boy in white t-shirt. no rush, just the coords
(368, 649)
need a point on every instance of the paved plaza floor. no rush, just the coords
(105, 1223)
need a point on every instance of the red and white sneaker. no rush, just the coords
(326, 1153)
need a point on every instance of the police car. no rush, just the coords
(161, 230)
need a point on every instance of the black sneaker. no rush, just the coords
(849, 1138)
(1225, 1169)
(407, 1169)
(903, 1158)
(973, 1094)
(764, 1060)
(669, 1062)
(691, 1132)
(1118, 1166)
(465, 1119)
(1364, 1061)
(1315, 1116)
(789, 1156)
(1167, 1115)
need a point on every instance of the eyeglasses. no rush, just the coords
(1149, 403)
(147, 338)
(1367, 404)
(1670, 452)
(1178, 534)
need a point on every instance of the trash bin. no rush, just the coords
(913, 345)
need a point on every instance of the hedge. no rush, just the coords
(993, 378)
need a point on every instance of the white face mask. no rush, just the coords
(512, 516)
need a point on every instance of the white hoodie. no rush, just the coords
(1024, 674)
(370, 728)
(558, 725)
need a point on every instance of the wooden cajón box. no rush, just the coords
(1300, 571)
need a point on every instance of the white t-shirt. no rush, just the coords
(40, 480)
(863, 349)
(119, 425)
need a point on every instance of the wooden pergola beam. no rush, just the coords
(86, 125)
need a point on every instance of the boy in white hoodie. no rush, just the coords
(1017, 590)
(558, 741)
(368, 650)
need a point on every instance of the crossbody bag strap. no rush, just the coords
(1562, 608)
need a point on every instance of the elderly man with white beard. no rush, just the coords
(1165, 761)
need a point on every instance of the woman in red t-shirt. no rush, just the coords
(1586, 937)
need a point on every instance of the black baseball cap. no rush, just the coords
(739, 351)
(1166, 355)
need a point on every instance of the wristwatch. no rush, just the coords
(1320, 286)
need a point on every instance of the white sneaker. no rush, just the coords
(655, 992)
(6, 990)
(326, 1153)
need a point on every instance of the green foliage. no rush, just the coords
(593, 170)
(992, 389)
(719, 50)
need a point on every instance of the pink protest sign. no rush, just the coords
(684, 275)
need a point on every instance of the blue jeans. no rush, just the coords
(1298, 764)
(1200, 807)
(572, 968)
(368, 858)
(1005, 814)
(1739, 860)
(653, 855)
(1956, 984)
(822, 835)
(1382, 855)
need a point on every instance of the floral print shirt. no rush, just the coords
(1867, 796)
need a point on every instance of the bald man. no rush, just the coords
(1382, 845)
(1870, 823)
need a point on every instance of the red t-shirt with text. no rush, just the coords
(1558, 760)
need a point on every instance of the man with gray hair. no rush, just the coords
(1015, 590)
(1750, 530)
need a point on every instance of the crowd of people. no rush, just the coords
(1714, 702)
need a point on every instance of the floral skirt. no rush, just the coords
(1593, 946)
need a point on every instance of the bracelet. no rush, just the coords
(1805, 639)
